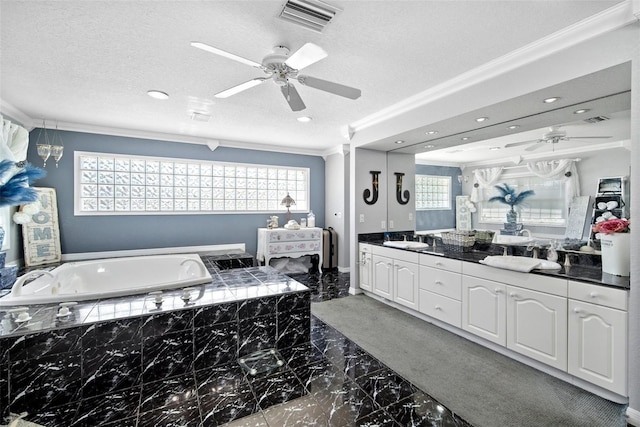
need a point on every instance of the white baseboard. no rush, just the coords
(344, 269)
(633, 417)
(153, 251)
(354, 291)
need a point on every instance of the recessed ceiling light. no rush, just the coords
(429, 146)
(432, 132)
(550, 100)
(582, 111)
(513, 127)
(158, 94)
(494, 148)
(304, 119)
(399, 141)
(465, 138)
(481, 119)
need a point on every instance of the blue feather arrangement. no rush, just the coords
(17, 191)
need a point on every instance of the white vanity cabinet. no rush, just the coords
(365, 264)
(597, 347)
(395, 275)
(537, 326)
(484, 308)
(440, 290)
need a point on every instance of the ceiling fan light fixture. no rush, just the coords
(158, 94)
(551, 99)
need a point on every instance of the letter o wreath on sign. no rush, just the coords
(41, 236)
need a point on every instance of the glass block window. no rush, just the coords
(112, 184)
(546, 207)
(433, 192)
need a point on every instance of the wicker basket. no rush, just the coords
(483, 239)
(458, 241)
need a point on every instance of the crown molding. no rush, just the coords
(16, 114)
(186, 139)
(601, 23)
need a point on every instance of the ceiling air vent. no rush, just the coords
(596, 119)
(313, 15)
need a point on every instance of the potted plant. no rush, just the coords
(510, 197)
(615, 240)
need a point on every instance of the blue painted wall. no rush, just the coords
(439, 219)
(111, 233)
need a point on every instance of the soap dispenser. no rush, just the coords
(311, 219)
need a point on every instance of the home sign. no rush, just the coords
(41, 235)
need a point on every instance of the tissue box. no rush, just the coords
(3, 257)
(8, 276)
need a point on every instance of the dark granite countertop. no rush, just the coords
(583, 268)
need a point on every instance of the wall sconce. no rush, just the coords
(462, 178)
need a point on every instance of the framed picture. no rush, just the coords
(41, 236)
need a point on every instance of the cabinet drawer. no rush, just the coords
(443, 263)
(441, 308)
(291, 247)
(399, 254)
(294, 235)
(365, 247)
(600, 295)
(442, 282)
(535, 282)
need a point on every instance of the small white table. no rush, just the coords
(280, 242)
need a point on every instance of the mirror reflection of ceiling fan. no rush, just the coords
(554, 136)
(282, 68)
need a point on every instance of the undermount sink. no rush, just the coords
(500, 239)
(403, 244)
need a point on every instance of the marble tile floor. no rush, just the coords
(329, 382)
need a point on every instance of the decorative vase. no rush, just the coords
(616, 253)
(512, 216)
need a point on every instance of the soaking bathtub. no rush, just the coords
(104, 278)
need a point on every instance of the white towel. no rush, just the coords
(514, 263)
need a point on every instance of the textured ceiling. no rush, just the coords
(89, 64)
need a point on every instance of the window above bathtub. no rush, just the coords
(112, 184)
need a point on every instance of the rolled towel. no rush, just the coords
(521, 264)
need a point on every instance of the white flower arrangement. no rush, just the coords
(26, 213)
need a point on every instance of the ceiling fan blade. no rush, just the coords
(305, 56)
(534, 146)
(241, 87)
(215, 50)
(293, 97)
(335, 88)
(517, 144)
(588, 137)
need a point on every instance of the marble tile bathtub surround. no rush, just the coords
(112, 346)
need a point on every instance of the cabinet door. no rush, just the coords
(382, 276)
(405, 280)
(537, 326)
(484, 309)
(366, 271)
(598, 345)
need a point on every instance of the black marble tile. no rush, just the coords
(301, 355)
(112, 332)
(254, 420)
(376, 419)
(110, 368)
(184, 414)
(278, 388)
(385, 387)
(421, 410)
(228, 404)
(321, 375)
(346, 403)
(219, 379)
(108, 408)
(303, 412)
(215, 345)
(164, 323)
(166, 356)
(45, 382)
(360, 364)
(214, 314)
(48, 343)
(293, 302)
(168, 392)
(256, 307)
(293, 328)
(257, 333)
(60, 416)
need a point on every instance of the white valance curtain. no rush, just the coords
(484, 178)
(14, 141)
(559, 169)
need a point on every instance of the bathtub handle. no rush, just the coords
(16, 290)
(202, 268)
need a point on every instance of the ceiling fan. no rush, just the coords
(282, 68)
(554, 136)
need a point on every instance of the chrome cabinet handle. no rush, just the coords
(593, 294)
(438, 282)
(437, 307)
(497, 290)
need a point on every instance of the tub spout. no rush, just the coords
(16, 290)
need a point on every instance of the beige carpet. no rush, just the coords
(482, 386)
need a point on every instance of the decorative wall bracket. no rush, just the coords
(399, 192)
(374, 183)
